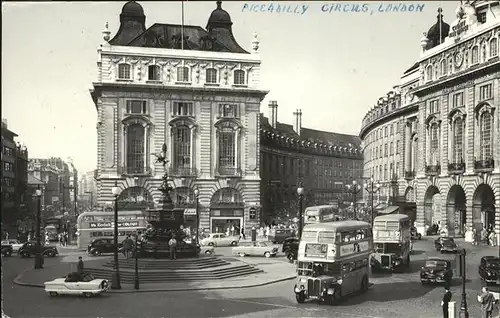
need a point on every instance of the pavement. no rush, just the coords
(393, 295)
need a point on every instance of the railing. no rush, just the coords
(456, 168)
(409, 175)
(134, 171)
(432, 170)
(228, 171)
(183, 172)
(484, 165)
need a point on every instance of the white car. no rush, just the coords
(220, 239)
(77, 284)
(15, 244)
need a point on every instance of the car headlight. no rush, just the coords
(488, 273)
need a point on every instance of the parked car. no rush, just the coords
(7, 249)
(102, 246)
(16, 244)
(489, 269)
(255, 249)
(77, 284)
(28, 249)
(436, 270)
(220, 239)
(207, 250)
(291, 248)
(445, 244)
(278, 235)
(414, 234)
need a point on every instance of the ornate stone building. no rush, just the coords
(324, 162)
(198, 92)
(448, 125)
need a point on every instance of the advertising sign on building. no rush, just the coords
(101, 225)
(354, 248)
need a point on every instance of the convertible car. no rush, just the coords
(77, 284)
(255, 249)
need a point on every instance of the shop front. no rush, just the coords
(227, 212)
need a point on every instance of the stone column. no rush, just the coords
(469, 223)
(191, 157)
(124, 153)
(146, 147)
(408, 145)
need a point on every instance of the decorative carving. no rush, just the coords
(459, 59)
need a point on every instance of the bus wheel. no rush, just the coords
(364, 284)
(300, 297)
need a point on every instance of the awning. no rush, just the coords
(389, 209)
(190, 212)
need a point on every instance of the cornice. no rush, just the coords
(387, 117)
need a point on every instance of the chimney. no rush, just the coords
(273, 113)
(298, 121)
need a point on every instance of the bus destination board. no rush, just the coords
(316, 250)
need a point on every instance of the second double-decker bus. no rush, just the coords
(93, 225)
(333, 260)
(392, 242)
(321, 213)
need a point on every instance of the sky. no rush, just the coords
(332, 65)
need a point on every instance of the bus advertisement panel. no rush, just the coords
(333, 260)
(93, 225)
(392, 242)
(321, 213)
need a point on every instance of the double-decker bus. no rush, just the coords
(54, 226)
(333, 260)
(100, 224)
(392, 242)
(321, 213)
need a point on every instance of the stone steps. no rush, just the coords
(167, 264)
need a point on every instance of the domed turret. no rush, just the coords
(219, 18)
(132, 23)
(438, 32)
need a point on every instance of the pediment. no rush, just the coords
(183, 121)
(136, 119)
(456, 113)
(432, 120)
(228, 123)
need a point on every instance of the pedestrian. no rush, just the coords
(79, 266)
(243, 233)
(487, 301)
(474, 236)
(173, 248)
(60, 239)
(65, 238)
(446, 300)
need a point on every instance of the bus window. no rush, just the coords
(332, 269)
(309, 236)
(304, 268)
(360, 264)
(326, 237)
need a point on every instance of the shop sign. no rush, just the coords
(190, 212)
(354, 248)
(100, 225)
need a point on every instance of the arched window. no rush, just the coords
(123, 71)
(475, 55)
(135, 149)
(429, 73)
(181, 148)
(434, 144)
(444, 70)
(183, 74)
(485, 124)
(458, 141)
(239, 77)
(493, 47)
(154, 73)
(211, 76)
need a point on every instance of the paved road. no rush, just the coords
(398, 295)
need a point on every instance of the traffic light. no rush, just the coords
(253, 213)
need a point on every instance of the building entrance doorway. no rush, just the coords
(456, 216)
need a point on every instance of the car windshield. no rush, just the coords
(493, 263)
(435, 264)
(448, 240)
(87, 277)
(262, 244)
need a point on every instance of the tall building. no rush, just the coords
(14, 160)
(446, 125)
(194, 90)
(324, 163)
(87, 189)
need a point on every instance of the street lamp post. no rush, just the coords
(38, 254)
(464, 312)
(196, 194)
(371, 188)
(300, 192)
(353, 189)
(115, 280)
(136, 274)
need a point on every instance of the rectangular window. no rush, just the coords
(154, 73)
(392, 129)
(183, 74)
(385, 172)
(227, 142)
(433, 106)
(228, 111)
(434, 145)
(239, 77)
(211, 76)
(397, 169)
(485, 92)
(397, 147)
(182, 109)
(385, 150)
(392, 149)
(391, 170)
(458, 100)
(182, 147)
(137, 107)
(385, 131)
(124, 71)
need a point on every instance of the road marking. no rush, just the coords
(296, 307)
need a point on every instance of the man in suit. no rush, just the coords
(487, 301)
(446, 300)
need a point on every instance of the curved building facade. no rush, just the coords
(433, 142)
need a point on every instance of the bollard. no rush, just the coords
(451, 309)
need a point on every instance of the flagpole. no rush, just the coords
(182, 25)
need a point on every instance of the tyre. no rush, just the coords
(234, 243)
(208, 252)
(52, 294)
(300, 297)
(95, 253)
(50, 254)
(241, 254)
(87, 295)
(267, 254)
(364, 285)
(211, 244)
(25, 254)
(290, 258)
